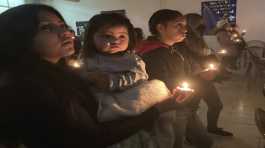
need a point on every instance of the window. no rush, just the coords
(4, 5)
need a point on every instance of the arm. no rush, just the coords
(71, 122)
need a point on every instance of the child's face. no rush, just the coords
(174, 31)
(112, 39)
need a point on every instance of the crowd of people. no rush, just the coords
(129, 92)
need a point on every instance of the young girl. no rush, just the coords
(119, 75)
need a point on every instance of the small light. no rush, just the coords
(108, 44)
(235, 35)
(223, 51)
(73, 37)
(210, 66)
(75, 63)
(185, 87)
(237, 40)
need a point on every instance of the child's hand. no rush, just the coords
(99, 79)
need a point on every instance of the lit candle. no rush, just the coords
(75, 63)
(185, 87)
(235, 35)
(211, 66)
(237, 40)
(222, 51)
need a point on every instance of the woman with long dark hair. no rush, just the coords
(43, 105)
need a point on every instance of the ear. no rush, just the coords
(160, 28)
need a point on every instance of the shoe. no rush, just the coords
(260, 120)
(220, 132)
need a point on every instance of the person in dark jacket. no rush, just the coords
(42, 104)
(165, 62)
(196, 48)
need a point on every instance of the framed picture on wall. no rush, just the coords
(80, 27)
(219, 10)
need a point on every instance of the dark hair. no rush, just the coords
(162, 17)
(139, 34)
(194, 19)
(18, 27)
(100, 21)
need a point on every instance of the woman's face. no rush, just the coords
(53, 40)
(173, 31)
(112, 40)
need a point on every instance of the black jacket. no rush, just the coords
(163, 62)
(44, 106)
(170, 64)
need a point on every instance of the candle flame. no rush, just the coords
(75, 63)
(211, 66)
(185, 87)
(223, 51)
(235, 35)
(237, 40)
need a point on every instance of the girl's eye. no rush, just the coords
(123, 36)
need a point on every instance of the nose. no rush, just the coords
(184, 29)
(65, 34)
(113, 40)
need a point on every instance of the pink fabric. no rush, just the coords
(147, 46)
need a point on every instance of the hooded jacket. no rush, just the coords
(163, 62)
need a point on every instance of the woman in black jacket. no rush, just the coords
(43, 105)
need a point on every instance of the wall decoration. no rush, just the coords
(214, 11)
(80, 27)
